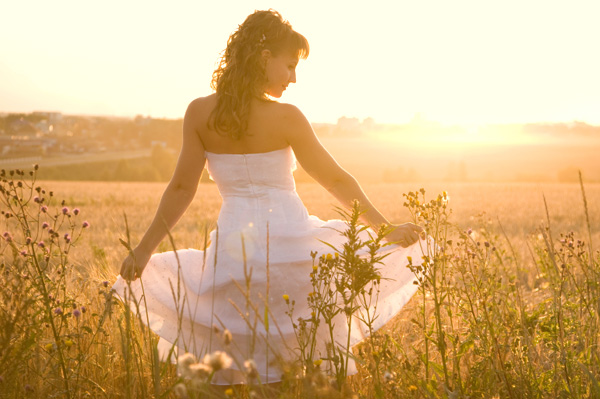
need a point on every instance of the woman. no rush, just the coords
(250, 145)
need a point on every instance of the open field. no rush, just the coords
(491, 319)
(519, 207)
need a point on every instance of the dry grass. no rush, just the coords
(518, 206)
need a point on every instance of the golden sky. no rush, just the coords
(462, 61)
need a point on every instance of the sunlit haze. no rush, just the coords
(459, 62)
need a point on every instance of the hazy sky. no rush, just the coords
(452, 61)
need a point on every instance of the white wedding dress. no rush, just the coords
(182, 296)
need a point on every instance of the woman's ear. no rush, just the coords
(265, 55)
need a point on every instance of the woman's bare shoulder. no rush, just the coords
(203, 104)
(199, 110)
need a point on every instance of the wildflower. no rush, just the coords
(329, 257)
(58, 311)
(7, 236)
(227, 337)
(23, 253)
(183, 364)
(28, 240)
(251, 369)
(67, 238)
(44, 208)
(76, 211)
(286, 298)
(318, 362)
(85, 225)
(76, 313)
(41, 244)
(49, 347)
(200, 371)
(65, 210)
(45, 225)
(105, 283)
(218, 360)
(69, 343)
(36, 199)
(469, 232)
(387, 376)
(229, 392)
(180, 390)
(83, 309)
(412, 388)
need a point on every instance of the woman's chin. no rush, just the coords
(275, 94)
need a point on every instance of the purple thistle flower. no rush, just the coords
(41, 244)
(28, 240)
(44, 208)
(85, 225)
(67, 238)
(58, 311)
(45, 225)
(36, 199)
(83, 309)
(23, 253)
(7, 236)
(470, 231)
(105, 283)
(76, 211)
(76, 313)
(65, 210)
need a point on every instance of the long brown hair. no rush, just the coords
(240, 76)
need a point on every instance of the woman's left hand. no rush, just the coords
(405, 234)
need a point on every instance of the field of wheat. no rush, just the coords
(518, 207)
(531, 329)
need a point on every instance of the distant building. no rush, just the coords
(22, 127)
(51, 117)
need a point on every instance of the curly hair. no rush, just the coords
(240, 76)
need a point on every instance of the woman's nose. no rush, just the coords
(293, 77)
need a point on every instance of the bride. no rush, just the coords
(250, 143)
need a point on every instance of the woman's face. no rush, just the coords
(280, 71)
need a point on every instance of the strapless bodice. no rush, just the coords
(257, 189)
(252, 175)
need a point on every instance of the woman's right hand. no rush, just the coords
(405, 234)
(134, 264)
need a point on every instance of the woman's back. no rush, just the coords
(267, 125)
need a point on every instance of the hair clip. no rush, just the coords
(261, 42)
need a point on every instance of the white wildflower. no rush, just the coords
(251, 369)
(218, 360)
(180, 390)
(183, 364)
(200, 371)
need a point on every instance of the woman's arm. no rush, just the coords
(321, 166)
(175, 200)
